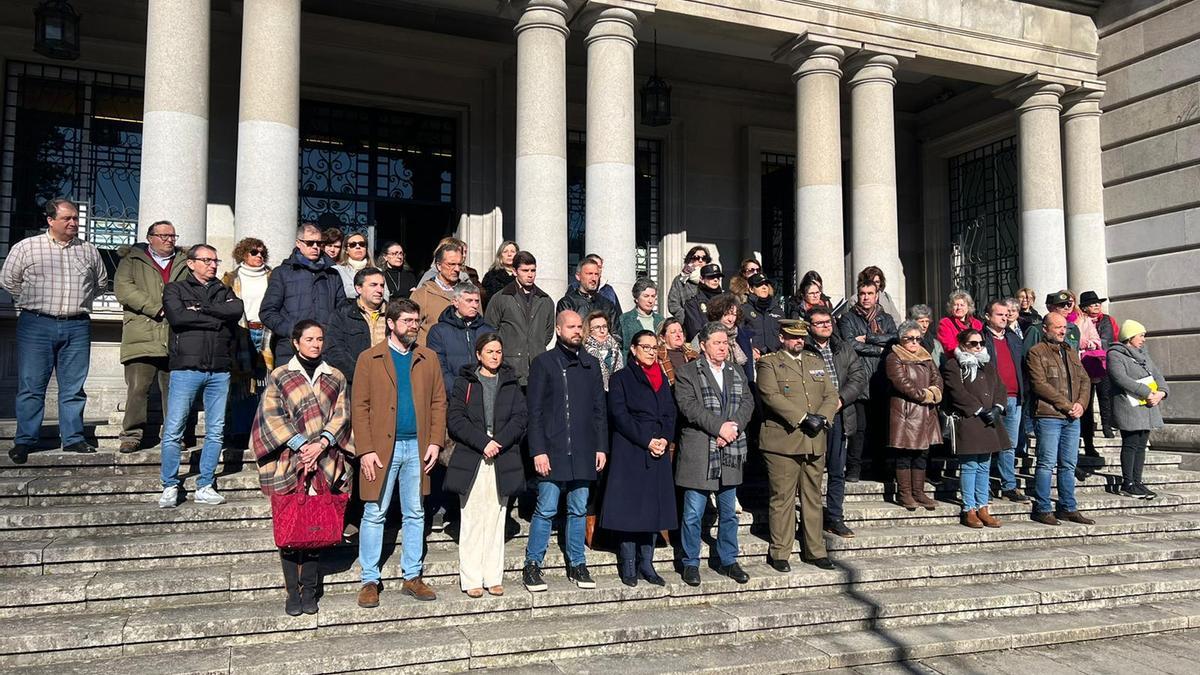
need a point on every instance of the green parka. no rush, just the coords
(139, 285)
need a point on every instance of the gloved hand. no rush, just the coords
(988, 415)
(812, 424)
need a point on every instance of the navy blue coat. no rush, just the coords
(639, 495)
(467, 425)
(299, 289)
(452, 338)
(1017, 349)
(568, 419)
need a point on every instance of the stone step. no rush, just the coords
(518, 629)
(1105, 480)
(109, 462)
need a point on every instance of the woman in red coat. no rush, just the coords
(960, 315)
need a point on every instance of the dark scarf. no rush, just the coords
(762, 304)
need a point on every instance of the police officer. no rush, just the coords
(799, 401)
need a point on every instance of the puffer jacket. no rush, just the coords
(203, 319)
(138, 284)
(299, 289)
(452, 338)
(916, 392)
(1126, 366)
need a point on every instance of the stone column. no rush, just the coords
(541, 147)
(1087, 261)
(267, 200)
(1043, 251)
(611, 179)
(874, 238)
(174, 182)
(819, 240)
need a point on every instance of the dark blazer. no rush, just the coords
(586, 304)
(640, 490)
(568, 417)
(966, 399)
(1015, 347)
(467, 427)
(203, 319)
(299, 289)
(346, 336)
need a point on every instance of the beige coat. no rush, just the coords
(433, 301)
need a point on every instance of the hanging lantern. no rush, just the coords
(56, 30)
(656, 96)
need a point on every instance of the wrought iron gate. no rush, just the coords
(984, 257)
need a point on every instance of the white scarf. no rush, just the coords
(357, 265)
(971, 363)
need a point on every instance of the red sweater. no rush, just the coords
(1006, 366)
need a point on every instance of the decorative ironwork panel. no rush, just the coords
(576, 199)
(983, 221)
(778, 219)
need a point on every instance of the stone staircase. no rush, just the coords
(94, 576)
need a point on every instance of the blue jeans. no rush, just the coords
(694, 502)
(1057, 442)
(185, 386)
(1006, 461)
(835, 465)
(548, 494)
(974, 479)
(405, 470)
(47, 345)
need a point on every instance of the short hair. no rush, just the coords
(439, 254)
(52, 205)
(991, 305)
(722, 303)
(303, 325)
(710, 329)
(523, 258)
(464, 287)
(639, 335)
(360, 277)
(960, 294)
(332, 235)
(908, 326)
(818, 309)
(870, 272)
(486, 339)
(196, 248)
(1050, 317)
(398, 306)
(1012, 302)
(308, 227)
(150, 230)
(667, 323)
(965, 334)
(641, 284)
(597, 314)
(920, 312)
(595, 257)
(863, 284)
(243, 247)
(697, 249)
(584, 262)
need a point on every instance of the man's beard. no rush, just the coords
(572, 342)
(407, 339)
(796, 349)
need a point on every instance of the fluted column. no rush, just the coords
(874, 238)
(1087, 260)
(611, 146)
(1043, 252)
(174, 172)
(819, 241)
(541, 147)
(267, 200)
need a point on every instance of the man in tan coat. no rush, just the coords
(435, 295)
(398, 408)
(799, 400)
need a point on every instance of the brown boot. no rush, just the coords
(971, 520)
(986, 518)
(904, 495)
(918, 490)
(416, 588)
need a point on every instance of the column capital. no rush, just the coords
(1083, 101)
(551, 14)
(809, 53)
(1034, 92)
(865, 67)
(604, 22)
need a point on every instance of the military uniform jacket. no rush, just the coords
(791, 388)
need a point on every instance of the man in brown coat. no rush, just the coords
(398, 407)
(1060, 392)
(435, 295)
(799, 399)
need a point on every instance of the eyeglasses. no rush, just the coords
(974, 343)
(168, 237)
(207, 261)
(309, 242)
(255, 251)
(645, 346)
(357, 244)
(391, 253)
(751, 270)
(910, 338)
(701, 258)
(412, 321)
(822, 323)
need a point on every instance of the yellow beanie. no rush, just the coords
(1130, 329)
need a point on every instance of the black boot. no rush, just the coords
(646, 564)
(291, 581)
(310, 577)
(627, 563)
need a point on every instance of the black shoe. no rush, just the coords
(852, 478)
(82, 447)
(1109, 433)
(651, 577)
(734, 572)
(532, 577)
(1015, 495)
(580, 577)
(1129, 490)
(779, 565)
(691, 575)
(1144, 492)
(1090, 451)
(839, 528)
(19, 454)
(823, 562)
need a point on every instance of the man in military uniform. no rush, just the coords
(799, 401)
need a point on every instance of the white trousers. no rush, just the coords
(481, 532)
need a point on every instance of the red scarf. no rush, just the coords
(654, 373)
(871, 315)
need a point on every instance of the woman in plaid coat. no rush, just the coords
(303, 425)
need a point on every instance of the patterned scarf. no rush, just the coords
(871, 315)
(971, 363)
(733, 454)
(735, 349)
(608, 353)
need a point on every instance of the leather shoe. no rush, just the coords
(779, 565)
(368, 595)
(1015, 495)
(652, 577)
(129, 447)
(823, 562)
(19, 454)
(416, 588)
(1075, 517)
(691, 575)
(1046, 518)
(82, 447)
(734, 572)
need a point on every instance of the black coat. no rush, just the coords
(852, 378)
(400, 282)
(695, 310)
(586, 304)
(467, 427)
(764, 324)
(850, 326)
(1015, 348)
(299, 289)
(203, 320)
(494, 282)
(966, 399)
(639, 495)
(568, 419)
(452, 338)
(346, 336)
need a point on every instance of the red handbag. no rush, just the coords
(305, 521)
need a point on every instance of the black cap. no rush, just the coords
(711, 270)
(1090, 298)
(757, 280)
(1059, 298)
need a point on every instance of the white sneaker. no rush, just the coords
(169, 498)
(207, 495)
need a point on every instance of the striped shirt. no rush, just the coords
(44, 275)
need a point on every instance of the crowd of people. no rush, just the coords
(362, 376)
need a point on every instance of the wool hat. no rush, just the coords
(1130, 329)
(793, 328)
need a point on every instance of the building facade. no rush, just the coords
(953, 144)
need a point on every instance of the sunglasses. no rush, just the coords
(974, 343)
(255, 251)
(701, 258)
(310, 242)
(910, 338)
(357, 244)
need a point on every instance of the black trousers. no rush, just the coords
(1102, 392)
(1133, 455)
(856, 442)
(911, 459)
